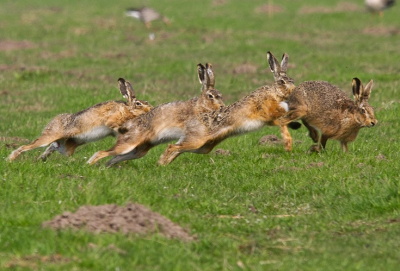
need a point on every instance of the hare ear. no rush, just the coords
(273, 65)
(357, 89)
(367, 90)
(202, 77)
(210, 76)
(122, 88)
(131, 92)
(284, 62)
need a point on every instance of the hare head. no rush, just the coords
(282, 81)
(127, 92)
(210, 99)
(364, 115)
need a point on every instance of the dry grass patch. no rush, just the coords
(10, 45)
(340, 7)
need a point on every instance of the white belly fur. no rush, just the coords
(94, 134)
(251, 125)
(168, 134)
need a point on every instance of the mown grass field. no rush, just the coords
(260, 208)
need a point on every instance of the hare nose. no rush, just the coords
(372, 124)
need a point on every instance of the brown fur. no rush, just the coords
(322, 106)
(164, 123)
(68, 131)
(260, 108)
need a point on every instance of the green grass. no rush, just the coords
(329, 211)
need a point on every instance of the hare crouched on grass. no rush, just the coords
(324, 107)
(164, 123)
(66, 132)
(262, 107)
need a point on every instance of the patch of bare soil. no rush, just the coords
(269, 9)
(59, 55)
(13, 142)
(215, 3)
(340, 7)
(381, 31)
(9, 45)
(317, 165)
(311, 165)
(134, 218)
(32, 261)
(70, 176)
(245, 69)
(269, 140)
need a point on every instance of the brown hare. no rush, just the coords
(164, 123)
(66, 132)
(324, 107)
(262, 107)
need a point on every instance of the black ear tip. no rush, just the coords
(122, 80)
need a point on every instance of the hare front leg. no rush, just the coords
(287, 139)
(344, 146)
(312, 132)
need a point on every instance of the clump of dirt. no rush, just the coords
(269, 139)
(245, 69)
(380, 157)
(9, 45)
(340, 7)
(134, 218)
(223, 152)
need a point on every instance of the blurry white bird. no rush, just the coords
(146, 15)
(377, 6)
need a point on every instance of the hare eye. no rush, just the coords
(282, 82)
(210, 96)
(363, 110)
(138, 103)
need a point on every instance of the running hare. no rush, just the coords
(66, 132)
(262, 107)
(325, 107)
(164, 123)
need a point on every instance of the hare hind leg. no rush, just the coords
(41, 141)
(114, 151)
(52, 148)
(134, 154)
(174, 150)
(320, 145)
(169, 155)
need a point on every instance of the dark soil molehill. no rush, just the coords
(269, 140)
(134, 218)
